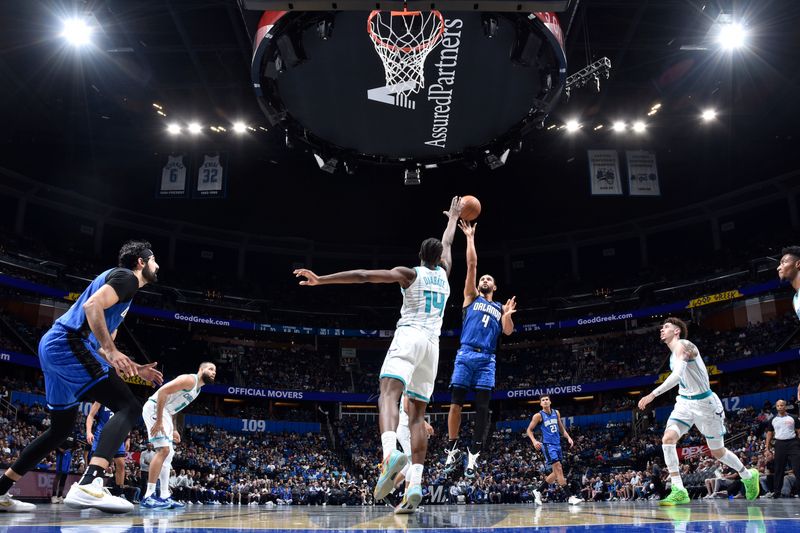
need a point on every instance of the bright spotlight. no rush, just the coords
(572, 126)
(174, 128)
(619, 126)
(639, 126)
(239, 127)
(195, 128)
(732, 36)
(77, 32)
(709, 114)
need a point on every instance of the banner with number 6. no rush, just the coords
(211, 176)
(172, 181)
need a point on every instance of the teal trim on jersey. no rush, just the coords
(700, 396)
(152, 400)
(398, 378)
(682, 422)
(418, 396)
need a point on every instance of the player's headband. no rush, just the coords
(146, 254)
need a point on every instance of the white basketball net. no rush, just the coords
(403, 39)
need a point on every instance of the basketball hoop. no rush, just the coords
(403, 39)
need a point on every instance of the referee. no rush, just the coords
(787, 445)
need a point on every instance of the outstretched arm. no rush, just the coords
(403, 275)
(449, 232)
(688, 353)
(470, 290)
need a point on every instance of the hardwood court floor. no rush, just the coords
(734, 516)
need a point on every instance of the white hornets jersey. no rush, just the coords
(424, 301)
(177, 401)
(695, 378)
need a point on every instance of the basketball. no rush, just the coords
(470, 208)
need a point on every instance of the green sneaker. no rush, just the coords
(676, 497)
(752, 487)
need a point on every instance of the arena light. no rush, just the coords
(708, 115)
(174, 129)
(619, 126)
(598, 127)
(573, 126)
(195, 128)
(583, 398)
(639, 126)
(239, 127)
(732, 36)
(76, 31)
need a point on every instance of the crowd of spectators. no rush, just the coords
(609, 462)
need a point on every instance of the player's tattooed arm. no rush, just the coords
(689, 351)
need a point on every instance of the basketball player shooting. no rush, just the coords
(483, 320)
(413, 357)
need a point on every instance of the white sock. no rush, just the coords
(151, 488)
(389, 442)
(732, 461)
(415, 475)
(404, 471)
(677, 482)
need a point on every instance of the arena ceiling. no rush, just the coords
(84, 119)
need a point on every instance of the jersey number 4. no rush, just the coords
(434, 300)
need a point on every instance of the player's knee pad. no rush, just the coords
(458, 396)
(670, 457)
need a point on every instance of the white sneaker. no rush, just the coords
(53, 499)
(472, 461)
(537, 497)
(574, 500)
(10, 505)
(96, 496)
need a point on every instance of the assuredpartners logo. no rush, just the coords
(440, 92)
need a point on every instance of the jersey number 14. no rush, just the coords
(434, 300)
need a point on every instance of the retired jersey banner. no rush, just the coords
(211, 176)
(604, 172)
(643, 173)
(172, 182)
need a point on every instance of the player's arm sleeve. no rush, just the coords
(124, 283)
(673, 379)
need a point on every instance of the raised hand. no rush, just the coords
(510, 307)
(311, 278)
(455, 208)
(467, 227)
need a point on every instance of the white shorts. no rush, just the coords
(707, 414)
(413, 358)
(149, 416)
